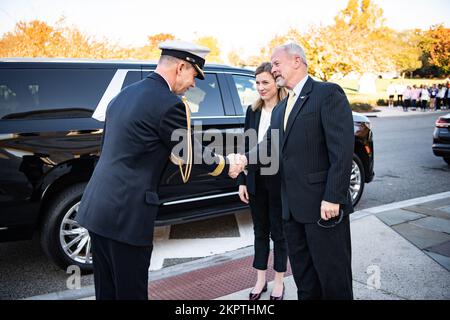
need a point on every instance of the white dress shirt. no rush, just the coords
(264, 123)
(299, 87)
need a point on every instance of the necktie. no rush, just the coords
(289, 106)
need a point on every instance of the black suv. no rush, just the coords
(50, 140)
(441, 138)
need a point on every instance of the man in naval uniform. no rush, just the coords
(120, 203)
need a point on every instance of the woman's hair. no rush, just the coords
(282, 92)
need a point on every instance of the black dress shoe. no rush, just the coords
(278, 298)
(256, 296)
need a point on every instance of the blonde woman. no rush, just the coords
(263, 192)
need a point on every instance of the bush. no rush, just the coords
(382, 102)
(361, 107)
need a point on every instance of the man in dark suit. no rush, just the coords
(121, 201)
(315, 150)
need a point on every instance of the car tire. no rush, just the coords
(61, 236)
(447, 159)
(356, 180)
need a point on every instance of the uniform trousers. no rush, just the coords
(120, 269)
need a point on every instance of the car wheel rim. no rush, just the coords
(74, 239)
(355, 181)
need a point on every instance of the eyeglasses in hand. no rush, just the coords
(333, 222)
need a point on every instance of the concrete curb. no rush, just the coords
(407, 203)
(89, 291)
(370, 115)
(398, 113)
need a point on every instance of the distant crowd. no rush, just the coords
(432, 98)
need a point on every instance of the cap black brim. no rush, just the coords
(200, 75)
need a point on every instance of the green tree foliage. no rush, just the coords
(405, 52)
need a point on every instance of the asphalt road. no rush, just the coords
(405, 168)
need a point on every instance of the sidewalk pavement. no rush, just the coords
(384, 111)
(401, 251)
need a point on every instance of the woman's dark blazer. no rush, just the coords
(252, 119)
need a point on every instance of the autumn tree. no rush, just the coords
(213, 44)
(357, 41)
(359, 30)
(370, 46)
(33, 39)
(436, 46)
(38, 39)
(324, 57)
(360, 16)
(345, 46)
(235, 58)
(150, 50)
(404, 51)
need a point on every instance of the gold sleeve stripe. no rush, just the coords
(218, 170)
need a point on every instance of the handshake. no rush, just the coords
(237, 162)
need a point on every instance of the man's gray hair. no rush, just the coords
(165, 59)
(169, 60)
(295, 49)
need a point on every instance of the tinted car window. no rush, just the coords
(246, 87)
(47, 93)
(131, 77)
(205, 99)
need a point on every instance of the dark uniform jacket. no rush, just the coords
(315, 152)
(121, 199)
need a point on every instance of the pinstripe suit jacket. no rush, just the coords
(315, 151)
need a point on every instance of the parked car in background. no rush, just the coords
(50, 143)
(441, 138)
